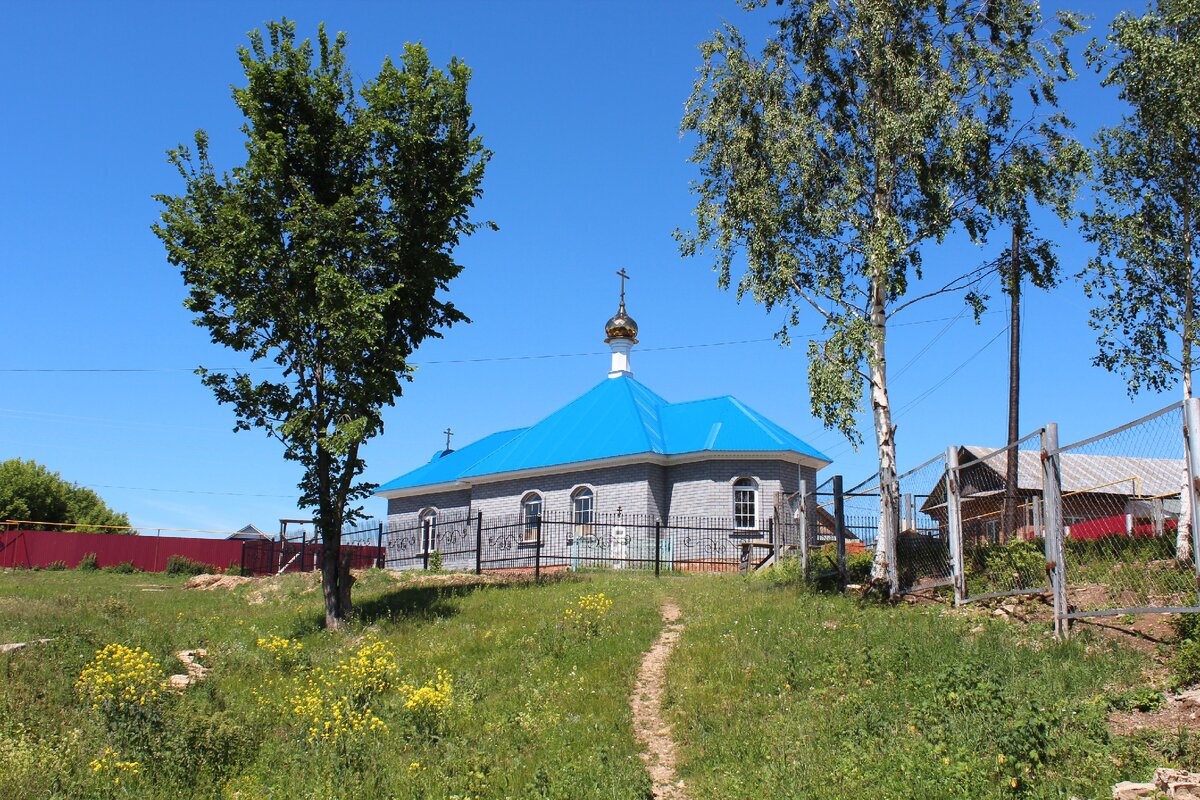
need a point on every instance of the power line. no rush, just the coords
(913, 403)
(186, 491)
(487, 359)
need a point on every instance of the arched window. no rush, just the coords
(531, 510)
(582, 506)
(745, 503)
(428, 523)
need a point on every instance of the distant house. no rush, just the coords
(1102, 495)
(249, 532)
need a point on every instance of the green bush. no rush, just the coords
(181, 565)
(124, 568)
(785, 571)
(435, 561)
(87, 563)
(858, 566)
(1185, 665)
(235, 568)
(1140, 699)
(55, 566)
(1020, 564)
(1186, 626)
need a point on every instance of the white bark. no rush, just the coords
(1183, 533)
(884, 566)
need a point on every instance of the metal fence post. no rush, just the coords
(771, 539)
(426, 541)
(537, 551)
(380, 562)
(479, 543)
(657, 547)
(954, 522)
(1056, 569)
(839, 529)
(804, 528)
(1191, 436)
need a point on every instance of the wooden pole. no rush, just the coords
(1011, 474)
(1056, 568)
(954, 521)
(839, 529)
(804, 528)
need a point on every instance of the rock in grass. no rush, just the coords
(1128, 790)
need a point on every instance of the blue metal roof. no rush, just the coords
(618, 417)
(448, 468)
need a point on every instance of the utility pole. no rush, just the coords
(1008, 519)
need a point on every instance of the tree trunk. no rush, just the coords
(337, 605)
(885, 567)
(1183, 531)
(1009, 522)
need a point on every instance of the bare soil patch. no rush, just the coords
(211, 582)
(649, 726)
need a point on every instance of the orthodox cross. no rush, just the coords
(448, 433)
(624, 278)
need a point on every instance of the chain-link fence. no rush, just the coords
(1002, 521)
(923, 546)
(1127, 538)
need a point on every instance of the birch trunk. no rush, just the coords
(1183, 532)
(885, 566)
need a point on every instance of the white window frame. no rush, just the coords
(529, 526)
(577, 494)
(738, 486)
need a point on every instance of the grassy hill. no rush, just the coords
(773, 691)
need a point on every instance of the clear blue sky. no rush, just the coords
(581, 105)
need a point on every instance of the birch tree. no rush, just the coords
(1145, 222)
(863, 131)
(327, 254)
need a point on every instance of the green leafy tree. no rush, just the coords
(42, 500)
(327, 252)
(862, 132)
(1147, 183)
(1145, 221)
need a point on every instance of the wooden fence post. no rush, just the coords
(954, 522)
(804, 528)
(380, 561)
(839, 529)
(1056, 569)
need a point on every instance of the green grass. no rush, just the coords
(774, 691)
(783, 692)
(537, 712)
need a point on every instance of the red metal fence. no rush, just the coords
(30, 549)
(147, 553)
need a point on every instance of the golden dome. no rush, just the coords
(621, 326)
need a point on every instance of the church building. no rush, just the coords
(618, 449)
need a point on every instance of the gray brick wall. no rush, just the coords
(404, 510)
(696, 489)
(705, 488)
(628, 488)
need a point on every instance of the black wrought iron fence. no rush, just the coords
(473, 541)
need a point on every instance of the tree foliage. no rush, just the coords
(862, 132)
(328, 251)
(31, 492)
(1145, 221)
